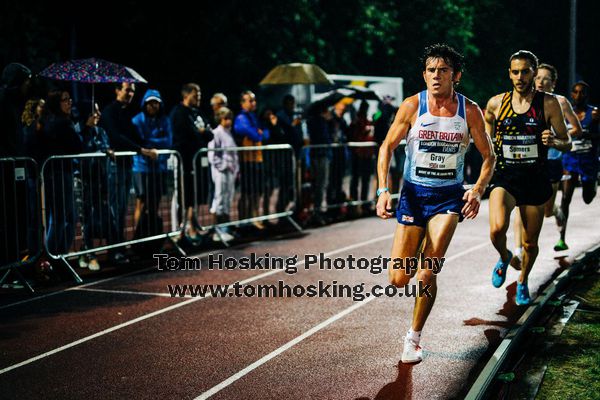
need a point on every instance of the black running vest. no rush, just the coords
(518, 137)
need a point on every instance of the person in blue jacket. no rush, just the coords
(154, 129)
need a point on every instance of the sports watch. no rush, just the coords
(381, 190)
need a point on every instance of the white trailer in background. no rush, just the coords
(271, 95)
(382, 85)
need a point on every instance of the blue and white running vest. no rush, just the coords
(436, 146)
(584, 146)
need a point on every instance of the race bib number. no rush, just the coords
(519, 152)
(520, 149)
(436, 165)
(581, 146)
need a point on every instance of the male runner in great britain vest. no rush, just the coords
(436, 124)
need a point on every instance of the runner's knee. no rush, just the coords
(426, 276)
(399, 278)
(497, 231)
(530, 246)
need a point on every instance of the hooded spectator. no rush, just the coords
(154, 129)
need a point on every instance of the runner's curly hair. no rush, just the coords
(445, 52)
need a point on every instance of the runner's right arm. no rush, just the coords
(570, 116)
(398, 131)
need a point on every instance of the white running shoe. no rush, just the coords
(412, 353)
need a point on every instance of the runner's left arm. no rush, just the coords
(560, 140)
(483, 143)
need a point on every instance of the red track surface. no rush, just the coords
(108, 344)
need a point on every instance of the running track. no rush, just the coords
(124, 337)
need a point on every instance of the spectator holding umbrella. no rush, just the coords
(96, 173)
(117, 121)
(291, 124)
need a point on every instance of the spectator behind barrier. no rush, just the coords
(250, 132)
(361, 130)
(217, 101)
(14, 86)
(291, 124)
(33, 130)
(339, 128)
(154, 129)
(190, 134)
(274, 163)
(60, 137)
(116, 120)
(96, 174)
(319, 132)
(224, 169)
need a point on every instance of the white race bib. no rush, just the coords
(436, 165)
(519, 152)
(581, 145)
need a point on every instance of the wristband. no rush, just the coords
(381, 190)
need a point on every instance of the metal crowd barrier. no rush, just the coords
(244, 185)
(343, 175)
(20, 222)
(94, 202)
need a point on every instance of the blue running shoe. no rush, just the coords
(499, 273)
(522, 298)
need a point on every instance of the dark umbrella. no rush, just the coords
(361, 93)
(354, 92)
(91, 70)
(330, 98)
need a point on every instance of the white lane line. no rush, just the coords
(75, 288)
(172, 307)
(131, 292)
(280, 350)
(217, 388)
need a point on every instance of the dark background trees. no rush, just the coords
(230, 45)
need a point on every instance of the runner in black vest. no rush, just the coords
(520, 121)
(545, 81)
